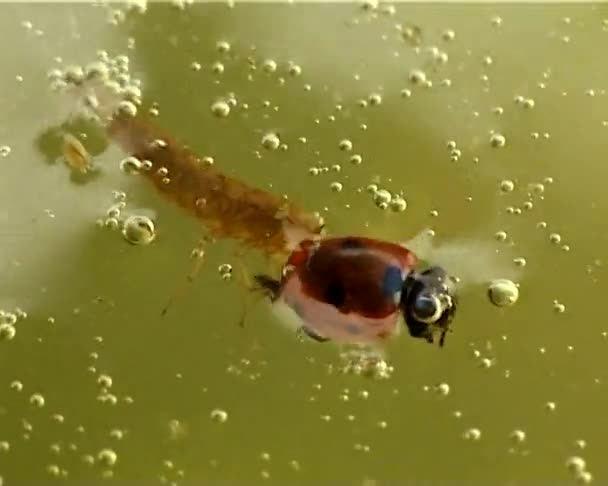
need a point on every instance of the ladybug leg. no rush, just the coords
(268, 285)
(244, 279)
(311, 334)
(198, 254)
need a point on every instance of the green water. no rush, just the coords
(93, 302)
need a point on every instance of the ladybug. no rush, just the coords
(352, 290)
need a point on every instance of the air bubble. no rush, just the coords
(345, 145)
(501, 236)
(127, 108)
(398, 204)
(472, 434)
(356, 159)
(417, 76)
(37, 400)
(269, 65)
(131, 165)
(575, 464)
(219, 415)
(7, 332)
(517, 436)
(107, 457)
(382, 198)
(104, 381)
(507, 185)
(555, 238)
(220, 109)
(503, 292)
(271, 141)
(336, 186)
(497, 140)
(295, 70)
(223, 46)
(139, 230)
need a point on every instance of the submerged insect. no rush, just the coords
(350, 290)
(353, 290)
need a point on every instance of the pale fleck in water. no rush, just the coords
(483, 124)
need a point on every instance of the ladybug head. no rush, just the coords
(428, 303)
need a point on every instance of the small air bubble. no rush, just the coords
(398, 204)
(507, 185)
(550, 406)
(517, 436)
(442, 389)
(220, 108)
(417, 76)
(219, 415)
(37, 400)
(127, 108)
(271, 141)
(269, 65)
(336, 186)
(472, 434)
(555, 238)
(345, 145)
(575, 464)
(501, 235)
(107, 457)
(217, 68)
(497, 140)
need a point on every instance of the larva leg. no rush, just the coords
(198, 254)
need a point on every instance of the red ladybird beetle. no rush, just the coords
(353, 289)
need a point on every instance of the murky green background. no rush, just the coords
(93, 302)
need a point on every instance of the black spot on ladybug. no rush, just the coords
(335, 294)
(352, 244)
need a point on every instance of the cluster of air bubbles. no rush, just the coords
(8, 320)
(418, 77)
(527, 103)
(442, 389)
(472, 434)
(384, 199)
(578, 467)
(103, 88)
(5, 150)
(221, 107)
(365, 363)
(225, 271)
(136, 229)
(455, 152)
